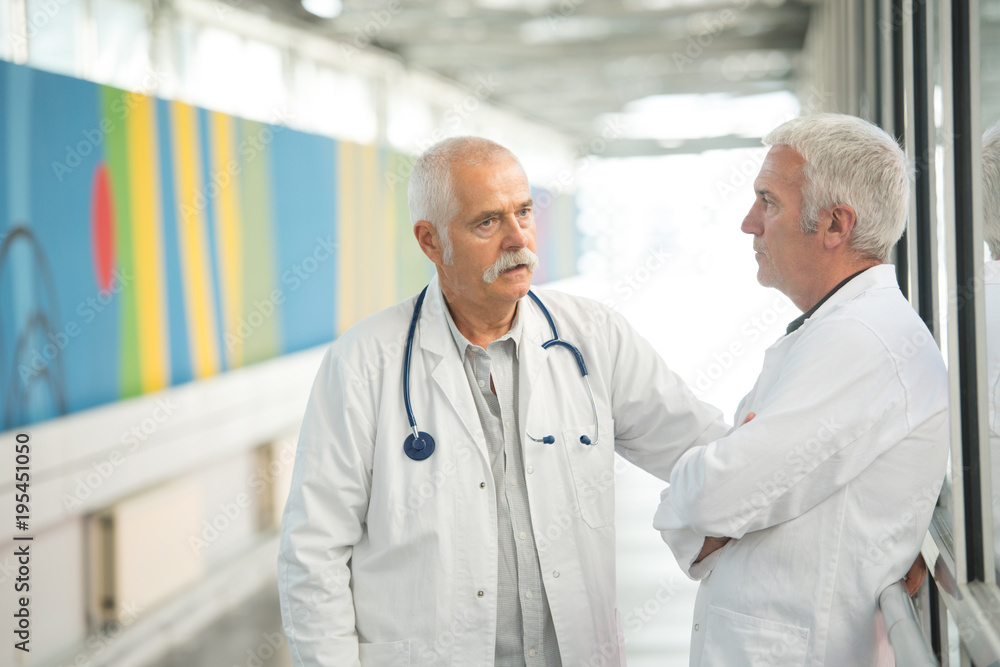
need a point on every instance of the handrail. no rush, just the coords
(907, 640)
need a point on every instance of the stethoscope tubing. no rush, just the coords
(420, 445)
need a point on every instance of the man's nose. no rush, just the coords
(751, 224)
(516, 236)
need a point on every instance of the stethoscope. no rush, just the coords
(419, 445)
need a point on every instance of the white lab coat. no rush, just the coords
(388, 561)
(827, 493)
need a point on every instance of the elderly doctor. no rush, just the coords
(483, 534)
(823, 499)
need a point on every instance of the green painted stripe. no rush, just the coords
(261, 315)
(115, 109)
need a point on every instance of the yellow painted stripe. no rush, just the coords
(147, 243)
(388, 247)
(192, 231)
(224, 193)
(347, 232)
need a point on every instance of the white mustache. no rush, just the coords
(509, 260)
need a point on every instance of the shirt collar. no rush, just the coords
(800, 320)
(462, 343)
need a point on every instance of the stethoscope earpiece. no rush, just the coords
(419, 445)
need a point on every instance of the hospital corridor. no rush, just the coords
(499, 333)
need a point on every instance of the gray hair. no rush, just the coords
(430, 192)
(991, 188)
(851, 161)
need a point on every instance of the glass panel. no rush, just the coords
(333, 103)
(55, 36)
(989, 60)
(410, 121)
(123, 42)
(5, 30)
(209, 74)
(262, 83)
(938, 216)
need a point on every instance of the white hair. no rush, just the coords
(430, 192)
(991, 188)
(851, 161)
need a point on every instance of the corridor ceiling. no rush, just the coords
(568, 63)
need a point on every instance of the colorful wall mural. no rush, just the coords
(145, 243)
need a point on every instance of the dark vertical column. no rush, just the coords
(965, 263)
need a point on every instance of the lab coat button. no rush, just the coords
(530, 470)
(480, 594)
(696, 626)
(556, 574)
(482, 485)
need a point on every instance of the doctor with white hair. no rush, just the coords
(797, 520)
(452, 501)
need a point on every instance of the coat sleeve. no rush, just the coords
(324, 518)
(657, 417)
(836, 406)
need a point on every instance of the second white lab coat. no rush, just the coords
(827, 493)
(385, 561)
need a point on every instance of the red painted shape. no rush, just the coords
(102, 226)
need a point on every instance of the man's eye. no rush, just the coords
(487, 223)
(524, 212)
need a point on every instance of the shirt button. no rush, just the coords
(513, 481)
(527, 594)
(507, 425)
(556, 574)
(530, 470)
(482, 383)
(532, 653)
(523, 535)
(696, 627)
(480, 594)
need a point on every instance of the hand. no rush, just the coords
(712, 544)
(915, 577)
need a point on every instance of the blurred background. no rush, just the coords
(196, 196)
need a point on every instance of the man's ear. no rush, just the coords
(836, 224)
(430, 242)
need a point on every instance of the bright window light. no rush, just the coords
(325, 9)
(673, 117)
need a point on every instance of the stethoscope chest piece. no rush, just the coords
(420, 448)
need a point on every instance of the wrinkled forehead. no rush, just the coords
(494, 182)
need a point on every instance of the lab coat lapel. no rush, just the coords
(445, 364)
(532, 359)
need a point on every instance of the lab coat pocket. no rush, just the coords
(593, 468)
(738, 640)
(387, 654)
